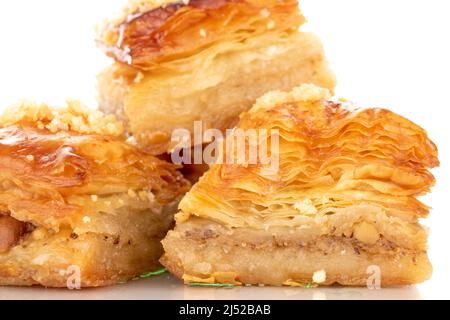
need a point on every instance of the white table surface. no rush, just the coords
(166, 287)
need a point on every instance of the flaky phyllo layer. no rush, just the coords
(54, 163)
(74, 192)
(343, 172)
(178, 62)
(151, 33)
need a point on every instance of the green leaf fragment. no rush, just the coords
(153, 274)
(214, 285)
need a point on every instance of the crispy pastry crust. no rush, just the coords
(149, 33)
(121, 245)
(330, 154)
(347, 174)
(70, 174)
(202, 60)
(212, 87)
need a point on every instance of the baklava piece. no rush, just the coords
(77, 200)
(184, 61)
(341, 208)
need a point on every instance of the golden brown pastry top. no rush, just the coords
(149, 33)
(56, 163)
(331, 157)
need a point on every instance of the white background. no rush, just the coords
(393, 54)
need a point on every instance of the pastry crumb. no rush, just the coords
(74, 117)
(306, 207)
(86, 219)
(319, 276)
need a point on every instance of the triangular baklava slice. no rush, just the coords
(341, 207)
(79, 205)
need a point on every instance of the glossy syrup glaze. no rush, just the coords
(44, 156)
(178, 30)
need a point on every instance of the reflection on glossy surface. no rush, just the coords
(168, 33)
(168, 288)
